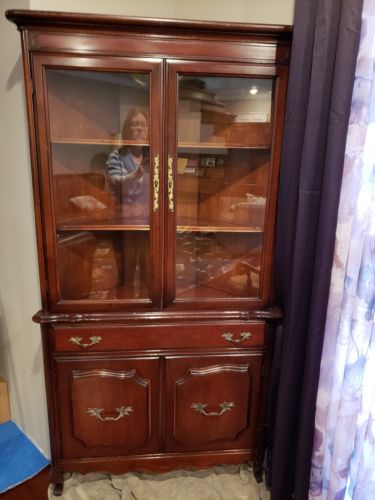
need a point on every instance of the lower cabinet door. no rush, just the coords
(212, 402)
(108, 408)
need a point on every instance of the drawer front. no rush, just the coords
(107, 338)
(212, 402)
(108, 408)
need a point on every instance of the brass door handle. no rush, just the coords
(77, 341)
(123, 411)
(156, 183)
(230, 337)
(170, 184)
(201, 408)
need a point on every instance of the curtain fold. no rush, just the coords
(325, 46)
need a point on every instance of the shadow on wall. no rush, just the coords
(16, 75)
(7, 368)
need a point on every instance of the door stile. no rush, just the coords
(169, 182)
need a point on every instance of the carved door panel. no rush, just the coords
(212, 402)
(108, 407)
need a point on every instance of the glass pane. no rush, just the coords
(99, 134)
(99, 125)
(223, 166)
(220, 265)
(103, 265)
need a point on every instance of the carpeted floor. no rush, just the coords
(230, 482)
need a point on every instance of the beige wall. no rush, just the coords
(20, 346)
(20, 350)
(255, 11)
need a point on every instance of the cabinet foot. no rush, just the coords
(258, 472)
(57, 481)
(58, 489)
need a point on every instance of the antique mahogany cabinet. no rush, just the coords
(155, 149)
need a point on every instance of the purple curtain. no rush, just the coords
(325, 47)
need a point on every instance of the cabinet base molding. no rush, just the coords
(157, 463)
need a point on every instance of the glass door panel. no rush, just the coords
(103, 265)
(99, 133)
(224, 136)
(100, 139)
(217, 264)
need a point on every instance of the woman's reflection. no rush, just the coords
(128, 174)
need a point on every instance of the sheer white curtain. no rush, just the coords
(343, 460)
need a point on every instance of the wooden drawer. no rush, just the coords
(113, 338)
(108, 408)
(212, 402)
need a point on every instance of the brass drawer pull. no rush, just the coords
(170, 184)
(156, 183)
(77, 341)
(201, 408)
(123, 411)
(244, 336)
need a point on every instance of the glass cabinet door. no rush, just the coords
(103, 144)
(221, 183)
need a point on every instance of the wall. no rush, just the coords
(20, 350)
(255, 11)
(20, 347)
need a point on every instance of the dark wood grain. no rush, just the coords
(171, 336)
(108, 384)
(213, 381)
(165, 347)
(26, 17)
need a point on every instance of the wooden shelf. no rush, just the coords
(99, 142)
(220, 229)
(181, 145)
(209, 226)
(144, 227)
(102, 227)
(115, 223)
(218, 145)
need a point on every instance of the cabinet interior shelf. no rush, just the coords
(181, 145)
(219, 229)
(102, 227)
(100, 142)
(219, 145)
(143, 227)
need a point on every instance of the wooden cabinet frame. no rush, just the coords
(162, 344)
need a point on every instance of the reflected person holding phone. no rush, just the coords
(128, 175)
(128, 170)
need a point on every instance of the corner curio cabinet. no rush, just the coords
(155, 148)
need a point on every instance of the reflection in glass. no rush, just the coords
(223, 167)
(226, 188)
(220, 265)
(223, 111)
(128, 168)
(99, 133)
(103, 265)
